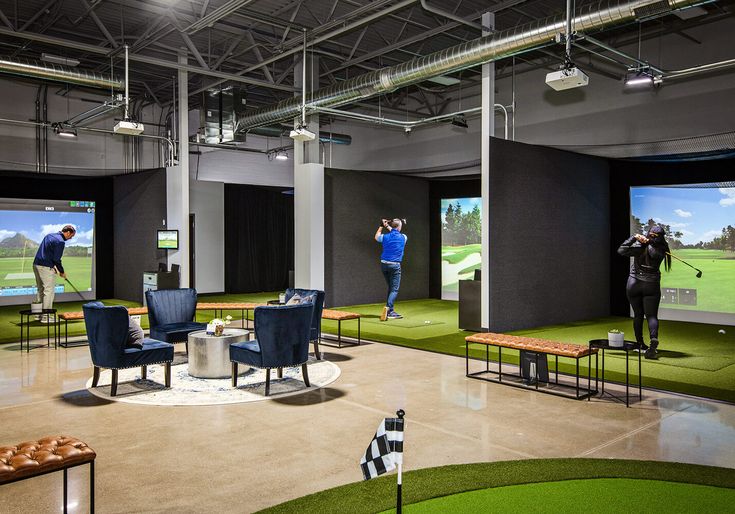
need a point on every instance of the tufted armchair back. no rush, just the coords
(171, 306)
(283, 334)
(316, 319)
(107, 331)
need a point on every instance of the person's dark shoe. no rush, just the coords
(652, 352)
(394, 315)
(384, 314)
(642, 347)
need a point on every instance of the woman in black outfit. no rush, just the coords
(644, 283)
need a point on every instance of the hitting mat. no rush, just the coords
(188, 390)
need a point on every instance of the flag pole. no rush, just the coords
(400, 413)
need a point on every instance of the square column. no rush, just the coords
(488, 130)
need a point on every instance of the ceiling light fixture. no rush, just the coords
(459, 120)
(56, 59)
(65, 132)
(641, 77)
(281, 155)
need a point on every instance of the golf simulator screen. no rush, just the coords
(23, 225)
(461, 233)
(699, 220)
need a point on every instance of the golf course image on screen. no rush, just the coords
(24, 224)
(699, 221)
(461, 249)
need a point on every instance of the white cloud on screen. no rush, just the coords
(682, 213)
(4, 234)
(729, 199)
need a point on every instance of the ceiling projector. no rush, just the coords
(302, 134)
(128, 128)
(567, 78)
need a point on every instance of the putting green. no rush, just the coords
(540, 485)
(605, 495)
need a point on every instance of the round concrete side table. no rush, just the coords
(209, 355)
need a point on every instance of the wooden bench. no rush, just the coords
(538, 347)
(66, 317)
(243, 307)
(339, 317)
(48, 455)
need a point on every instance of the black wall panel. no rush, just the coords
(355, 202)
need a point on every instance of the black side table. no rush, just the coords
(26, 317)
(628, 346)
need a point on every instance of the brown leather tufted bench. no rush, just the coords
(538, 347)
(66, 317)
(48, 455)
(339, 317)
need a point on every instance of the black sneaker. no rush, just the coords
(651, 353)
(642, 347)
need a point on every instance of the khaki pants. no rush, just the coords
(45, 283)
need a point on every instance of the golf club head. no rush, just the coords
(699, 274)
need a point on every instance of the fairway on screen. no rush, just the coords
(461, 233)
(699, 220)
(23, 225)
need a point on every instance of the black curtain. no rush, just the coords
(259, 238)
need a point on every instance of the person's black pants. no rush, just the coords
(644, 297)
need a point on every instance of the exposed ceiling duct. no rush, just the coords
(57, 73)
(505, 43)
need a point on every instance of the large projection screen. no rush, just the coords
(461, 248)
(23, 225)
(699, 220)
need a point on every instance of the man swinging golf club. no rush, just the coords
(390, 262)
(47, 263)
(644, 282)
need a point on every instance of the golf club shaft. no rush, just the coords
(682, 260)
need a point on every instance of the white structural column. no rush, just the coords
(177, 181)
(308, 183)
(488, 130)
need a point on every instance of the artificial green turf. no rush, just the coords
(78, 269)
(604, 495)
(378, 495)
(694, 358)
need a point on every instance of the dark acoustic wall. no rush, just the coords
(67, 187)
(549, 236)
(623, 175)
(439, 189)
(138, 212)
(259, 241)
(355, 202)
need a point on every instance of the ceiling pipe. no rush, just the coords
(505, 43)
(57, 73)
(451, 16)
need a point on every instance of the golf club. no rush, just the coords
(75, 289)
(699, 271)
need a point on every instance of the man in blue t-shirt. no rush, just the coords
(47, 264)
(390, 262)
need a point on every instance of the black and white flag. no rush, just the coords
(385, 450)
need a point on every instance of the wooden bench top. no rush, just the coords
(37, 457)
(75, 315)
(531, 344)
(338, 315)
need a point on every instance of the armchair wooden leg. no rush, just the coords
(316, 350)
(267, 381)
(113, 385)
(96, 376)
(168, 374)
(143, 372)
(305, 372)
(279, 373)
(186, 346)
(234, 374)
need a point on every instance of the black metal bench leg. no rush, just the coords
(339, 333)
(500, 363)
(358, 331)
(589, 376)
(91, 487)
(66, 499)
(466, 358)
(577, 389)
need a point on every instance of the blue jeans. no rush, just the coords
(392, 274)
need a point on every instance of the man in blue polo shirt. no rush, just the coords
(390, 262)
(47, 263)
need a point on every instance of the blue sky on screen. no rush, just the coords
(467, 204)
(699, 213)
(36, 224)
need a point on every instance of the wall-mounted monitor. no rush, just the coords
(23, 225)
(168, 239)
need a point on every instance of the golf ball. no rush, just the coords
(427, 321)
(721, 331)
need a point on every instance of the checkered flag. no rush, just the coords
(385, 450)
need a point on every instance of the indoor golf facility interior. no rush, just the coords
(366, 256)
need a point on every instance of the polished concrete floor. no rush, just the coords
(240, 458)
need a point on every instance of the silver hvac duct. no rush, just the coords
(57, 73)
(501, 44)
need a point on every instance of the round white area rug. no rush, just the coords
(188, 390)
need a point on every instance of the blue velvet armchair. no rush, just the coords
(171, 313)
(281, 341)
(107, 331)
(316, 321)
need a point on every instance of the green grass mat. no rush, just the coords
(695, 358)
(378, 495)
(604, 495)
